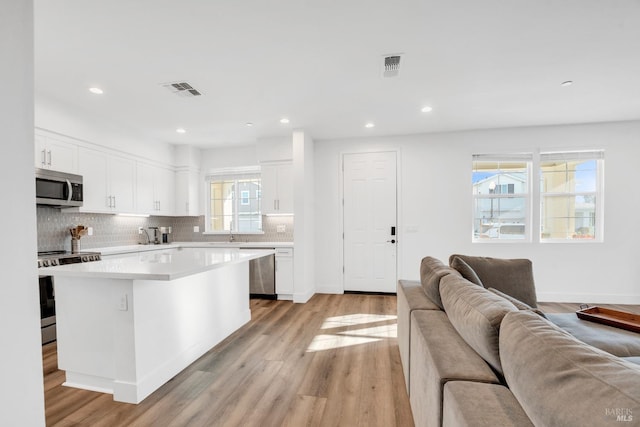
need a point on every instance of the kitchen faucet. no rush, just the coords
(147, 234)
(231, 238)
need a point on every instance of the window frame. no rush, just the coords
(235, 175)
(593, 154)
(523, 157)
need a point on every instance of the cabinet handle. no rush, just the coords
(158, 204)
(44, 158)
(114, 202)
(274, 205)
(49, 162)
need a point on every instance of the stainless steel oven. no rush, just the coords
(47, 289)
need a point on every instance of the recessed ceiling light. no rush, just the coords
(369, 125)
(181, 130)
(284, 120)
(426, 109)
(567, 83)
(96, 90)
(249, 124)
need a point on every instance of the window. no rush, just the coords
(233, 203)
(501, 197)
(571, 196)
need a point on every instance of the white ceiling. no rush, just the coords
(488, 64)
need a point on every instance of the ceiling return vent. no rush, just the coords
(391, 65)
(182, 89)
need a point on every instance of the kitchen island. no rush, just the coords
(129, 323)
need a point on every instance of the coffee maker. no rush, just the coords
(164, 232)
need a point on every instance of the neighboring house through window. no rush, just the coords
(233, 202)
(571, 196)
(501, 196)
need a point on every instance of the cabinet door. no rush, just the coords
(122, 175)
(269, 177)
(62, 156)
(144, 189)
(187, 193)
(93, 168)
(284, 271)
(285, 188)
(164, 186)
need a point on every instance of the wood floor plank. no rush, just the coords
(319, 363)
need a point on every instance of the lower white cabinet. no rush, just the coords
(284, 271)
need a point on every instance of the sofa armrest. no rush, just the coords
(411, 297)
(439, 355)
(467, 404)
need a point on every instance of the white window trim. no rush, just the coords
(599, 220)
(227, 173)
(526, 157)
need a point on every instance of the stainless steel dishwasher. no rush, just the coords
(262, 276)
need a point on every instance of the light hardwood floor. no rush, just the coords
(333, 361)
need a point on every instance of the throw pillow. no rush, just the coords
(466, 270)
(519, 304)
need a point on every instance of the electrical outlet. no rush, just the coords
(139, 230)
(281, 228)
(196, 228)
(124, 303)
(90, 231)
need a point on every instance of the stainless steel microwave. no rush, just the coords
(58, 189)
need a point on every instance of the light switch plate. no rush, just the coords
(90, 231)
(281, 228)
(196, 228)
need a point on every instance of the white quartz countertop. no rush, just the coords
(167, 262)
(115, 250)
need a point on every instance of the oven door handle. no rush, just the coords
(70, 190)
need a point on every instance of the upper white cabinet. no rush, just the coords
(55, 154)
(155, 190)
(277, 188)
(187, 193)
(109, 181)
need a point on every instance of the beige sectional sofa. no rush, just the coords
(475, 357)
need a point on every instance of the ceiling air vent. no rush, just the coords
(182, 89)
(391, 66)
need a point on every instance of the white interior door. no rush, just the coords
(369, 222)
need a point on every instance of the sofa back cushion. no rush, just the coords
(476, 314)
(512, 276)
(431, 271)
(560, 380)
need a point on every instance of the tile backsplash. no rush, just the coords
(115, 230)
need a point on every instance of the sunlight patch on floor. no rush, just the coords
(355, 319)
(367, 333)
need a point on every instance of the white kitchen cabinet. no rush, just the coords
(54, 154)
(284, 271)
(109, 181)
(155, 189)
(187, 193)
(277, 188)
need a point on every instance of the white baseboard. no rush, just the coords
(588, 298)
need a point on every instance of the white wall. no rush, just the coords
(304, 212)
(435, 200)
(22, 392)
(216, 158)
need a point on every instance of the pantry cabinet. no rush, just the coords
(55, 154)
(108, 181)
(277, 188)
(155, 188)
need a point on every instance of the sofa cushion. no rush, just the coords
(519, 304)
(512, 276)
(559, 380)
(467, 404)
(476, 314)
(616, 341)
(431, 271)
(439, 355)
